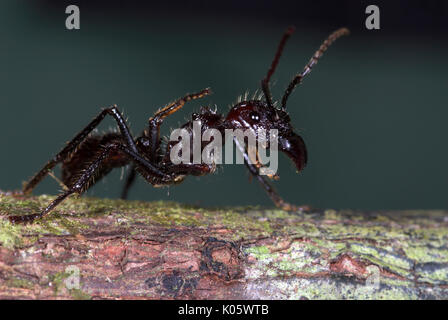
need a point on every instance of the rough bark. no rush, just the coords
(159, 250)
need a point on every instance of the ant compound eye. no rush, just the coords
(254, 116)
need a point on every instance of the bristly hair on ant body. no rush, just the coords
(89, 157)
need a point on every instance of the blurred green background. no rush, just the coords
(373, 112)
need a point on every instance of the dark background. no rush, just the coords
(373, 112)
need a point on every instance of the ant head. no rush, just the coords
(256, 115)
(263, 114)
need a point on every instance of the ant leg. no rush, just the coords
(153, 134)
(83, 181)
(156, 121)
(77, 140)
(51, 206)
(278, 201)
(129, 181)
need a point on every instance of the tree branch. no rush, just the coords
(160, 250)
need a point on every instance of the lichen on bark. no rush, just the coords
(165, 250)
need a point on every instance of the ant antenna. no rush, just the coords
(265, 81)
(314, 59)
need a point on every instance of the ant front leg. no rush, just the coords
(80, 185)
(77, 140)
(278, 201)
(156, 121)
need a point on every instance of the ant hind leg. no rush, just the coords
(82, 183)
(77, 140)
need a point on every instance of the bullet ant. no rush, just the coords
(88, 157)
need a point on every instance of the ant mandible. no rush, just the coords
(87, 157)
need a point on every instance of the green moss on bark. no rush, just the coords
(322, 254)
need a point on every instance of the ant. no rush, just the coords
(88, 157)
